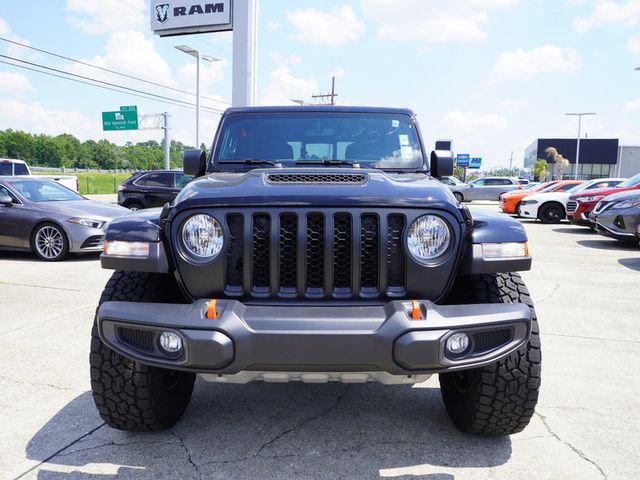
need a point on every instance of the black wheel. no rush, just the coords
(134, 205)
(498, 399)
(128, 394)
(458, 196)
(518, 207)
(551, 213)
(49, 242)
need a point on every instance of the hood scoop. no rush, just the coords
(317, 178)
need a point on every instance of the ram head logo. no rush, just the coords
(162, 12)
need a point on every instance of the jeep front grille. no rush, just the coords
(572, 206)
(317, 178)
(315, 255)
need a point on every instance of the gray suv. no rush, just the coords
(487, 188)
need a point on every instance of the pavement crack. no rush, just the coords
(55, 454)
(188, 451)
(114, 444)
(576, 450)
(38, 384)
(4, 282)
(552, 294)
(585, 337)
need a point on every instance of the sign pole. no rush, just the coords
(245, 39)
(197, 145)
(167, 163)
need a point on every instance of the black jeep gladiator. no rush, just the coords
(316, 244)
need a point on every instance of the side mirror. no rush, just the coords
(441, 163)
(6, 200)
(194, 163)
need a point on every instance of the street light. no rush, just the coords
(579, 115)
(195, 53)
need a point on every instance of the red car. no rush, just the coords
(580, 204)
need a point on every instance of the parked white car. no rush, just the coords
(551, 207)
(12, 167)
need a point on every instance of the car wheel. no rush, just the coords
(458, 196)
(518, 207)
(134, 206)
(50, 242)
(500, 398)
(551, 213)
(130, 395)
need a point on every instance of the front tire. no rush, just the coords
(50, 242)
(498, 399)
(551, 213)
(128, 394)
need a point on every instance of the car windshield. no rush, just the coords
(376, 140)
(630, 182)
(44, 191)
(550, 188)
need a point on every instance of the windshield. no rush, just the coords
(550, 188)
(375, 140)
(630, 182)
(44, 191)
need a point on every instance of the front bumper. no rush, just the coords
(529, 210)
(582, 213)
(618, 224)
(293, 338)
(85, 239)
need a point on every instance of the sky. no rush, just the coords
(493, 75)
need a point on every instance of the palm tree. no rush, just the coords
(559, 160)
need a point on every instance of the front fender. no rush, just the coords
(494, 228)
(139, 227)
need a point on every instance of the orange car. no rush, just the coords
(509, 201)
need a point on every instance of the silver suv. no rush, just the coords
(487, 188)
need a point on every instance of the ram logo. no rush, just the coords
(162, 12)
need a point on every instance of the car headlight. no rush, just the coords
(87, 222)
(202, 236)
(595, 198)
(428, 237)
(529, 202)
(626, 204)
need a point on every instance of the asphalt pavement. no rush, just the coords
(586, 290)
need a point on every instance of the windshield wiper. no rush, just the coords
(254, 161)
(352, 163)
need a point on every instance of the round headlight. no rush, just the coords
(428, 237)
(202, 236)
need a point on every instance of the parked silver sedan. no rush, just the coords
(487, 188)
(44, 217)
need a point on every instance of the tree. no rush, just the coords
(559, 160)
(540, 169)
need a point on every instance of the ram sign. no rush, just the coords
(181, 17)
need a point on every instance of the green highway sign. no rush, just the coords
(129, 108)
(121, 120)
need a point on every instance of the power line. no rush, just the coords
(115, 72)
(105, 83)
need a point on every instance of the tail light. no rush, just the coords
(121, 188)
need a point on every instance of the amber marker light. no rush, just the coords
(211, 309)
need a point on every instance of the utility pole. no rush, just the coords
(511, 163)
(167, 158)
(579, 115)
(332, 96)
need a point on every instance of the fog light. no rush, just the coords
(457, 343)
(170, 342)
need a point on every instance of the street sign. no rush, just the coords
(180, 17)
(462, 159)
(475, 162)
(129, 108)
(120, 120)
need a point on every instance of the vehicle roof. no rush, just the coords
(318, 108)
(22, 178)
(11, 160)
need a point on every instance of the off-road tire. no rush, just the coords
(128, 394)
(459, 197)
(498, 399)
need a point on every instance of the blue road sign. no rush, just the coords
(475, 162)
(462, 159)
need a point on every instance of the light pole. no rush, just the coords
(579, 115)
(195, 53)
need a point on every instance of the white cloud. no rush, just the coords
(14, 50)
(513, 105)
(210, 73)
(607, 12)
(528, 63)
(634, 105)
(470, 121)
(283, 86)
(108, 16)
(33, 117)
(633, 44)
(12, 83)
(334, 28)
(432, 21)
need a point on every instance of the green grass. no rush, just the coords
(94, 183)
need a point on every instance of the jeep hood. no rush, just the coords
(317, 187)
